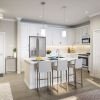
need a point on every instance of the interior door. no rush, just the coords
(2, 55)
(96, 53)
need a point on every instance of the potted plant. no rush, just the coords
(48, 51)
(14, 52)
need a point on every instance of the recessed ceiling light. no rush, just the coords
(40, 16)
(2, 11)
(86, 12)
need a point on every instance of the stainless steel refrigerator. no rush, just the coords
(37, 46)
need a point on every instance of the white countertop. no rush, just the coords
(29, 60)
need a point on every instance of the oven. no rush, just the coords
(85, 60)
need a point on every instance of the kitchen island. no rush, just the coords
(30, 73)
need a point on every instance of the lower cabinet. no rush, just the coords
(11, 64)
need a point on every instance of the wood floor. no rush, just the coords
(21, 92)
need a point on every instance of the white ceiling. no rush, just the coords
(77, 11)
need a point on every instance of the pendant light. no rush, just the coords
(1, 15)
(64, 11)
(43, 30)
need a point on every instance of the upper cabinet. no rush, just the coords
(80, 32)
(54, 37)
(70, 36)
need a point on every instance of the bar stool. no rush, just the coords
(62, 65)
(76, 66)
(43, 67)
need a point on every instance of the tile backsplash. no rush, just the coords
(71, 48)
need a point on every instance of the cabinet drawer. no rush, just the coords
(11, 64)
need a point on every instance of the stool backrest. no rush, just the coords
(62, 65)
(78, 63)
(44, 66)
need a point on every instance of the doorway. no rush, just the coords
(2, 53)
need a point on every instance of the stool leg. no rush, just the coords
(66, 80)
(50, 79)
(68, 74)
(57, 79)
(39, 81)
(81, 78)
(60, 77)
(47, 79)
(75, 77)
(52, 76)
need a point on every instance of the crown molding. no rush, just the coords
(94, 14)
(8, 19)
(18, 18)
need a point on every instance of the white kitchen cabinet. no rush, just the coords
(63, 40)
(70, 37)
(54, 37)
(49, 37)
(78, 37)
(11, 64)
(79, 32)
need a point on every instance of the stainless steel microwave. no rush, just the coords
(85, 40)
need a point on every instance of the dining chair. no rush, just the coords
(62, 65)
(43, 67)
(76, 66)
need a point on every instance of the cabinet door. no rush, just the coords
(70, 37)
(56, 38)
(79, 32)
(63, 40)
(49, 38)
(53, 37)
(78, 36)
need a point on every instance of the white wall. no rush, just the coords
(9, 27)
